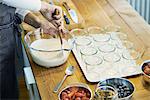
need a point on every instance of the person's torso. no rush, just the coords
(7, 14)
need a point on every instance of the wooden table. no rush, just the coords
(100, 13)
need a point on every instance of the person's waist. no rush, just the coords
(7, 25)
(15, 21)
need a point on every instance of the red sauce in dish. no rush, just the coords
(75, 93)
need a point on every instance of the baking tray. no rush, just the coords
(95, 73)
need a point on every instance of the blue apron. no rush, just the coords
(8, 31)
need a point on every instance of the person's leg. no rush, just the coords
(8, 82)
(9, 87)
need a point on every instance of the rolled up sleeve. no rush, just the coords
(22, 13)
(33, 5)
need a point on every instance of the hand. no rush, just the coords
(48, 28)
(52, 13)
(34, 21)
(63, 30)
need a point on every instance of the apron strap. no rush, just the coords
(6, 26)
(14, 23)
(17, 21)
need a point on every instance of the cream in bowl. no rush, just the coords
(48, 50)
(48, 58)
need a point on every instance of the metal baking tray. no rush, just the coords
(102, 63)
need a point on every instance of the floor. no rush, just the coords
(22, 89)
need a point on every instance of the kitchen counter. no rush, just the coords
(97, 13)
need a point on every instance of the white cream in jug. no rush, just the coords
(49, 59)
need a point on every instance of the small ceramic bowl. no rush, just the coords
(124, 87)
(146, 71)
(76, 91)
(106, 93)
